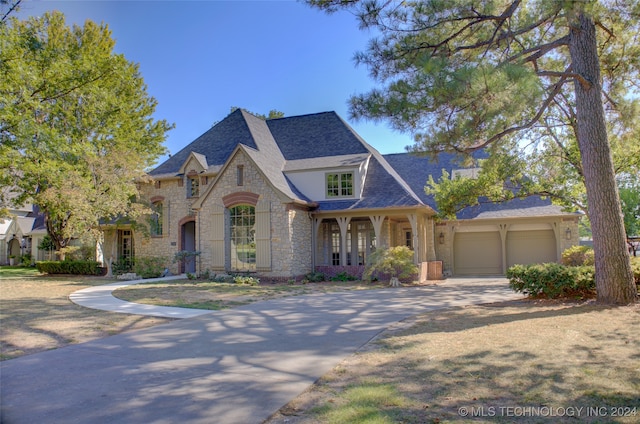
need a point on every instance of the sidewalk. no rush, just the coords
(101, 297)
(233, 366)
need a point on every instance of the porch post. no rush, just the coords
(413, 220)
(343, 222)
(314, 240)
(377, 221)
(503, 239)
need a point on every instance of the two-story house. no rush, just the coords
(284, 197)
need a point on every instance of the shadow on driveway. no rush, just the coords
(232, 366)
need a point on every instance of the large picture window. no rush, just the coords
(243, 243)
(340, 184)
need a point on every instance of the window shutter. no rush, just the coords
(165, 218)
(263, 236)
(217, 238)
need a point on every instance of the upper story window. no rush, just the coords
(465, 173)
(340, 184)
(193, 186)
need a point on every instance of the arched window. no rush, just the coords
(243, 242)
(156, 219)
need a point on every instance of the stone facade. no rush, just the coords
(290, 228)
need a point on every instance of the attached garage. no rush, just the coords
(477, 253)
(531, 247)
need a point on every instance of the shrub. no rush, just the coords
(578, 256)
(69, 267)
(25, 259)
(149, 267)
(394, 262)
(122, 266)
(185, 256)
(246, 279)
(344, 276)
(552, 280)
(635, 267)
(314, 277)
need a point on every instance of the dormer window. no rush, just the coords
(465, 173)
(340, 184)
(193, 186)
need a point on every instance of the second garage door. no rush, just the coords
(477, 253)
(531, 247)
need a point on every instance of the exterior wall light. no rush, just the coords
(441, 238)
(567, 233)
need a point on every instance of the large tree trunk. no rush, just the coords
(614, 278)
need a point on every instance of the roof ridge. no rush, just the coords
(303, 115)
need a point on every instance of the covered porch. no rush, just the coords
(344, 240)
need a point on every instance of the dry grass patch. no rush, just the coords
(36, 315)
(202, 294)
(514, 362)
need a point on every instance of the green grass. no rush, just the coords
(18, 272)
(369, 402)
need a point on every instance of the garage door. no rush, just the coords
(531, 247)
(477, 253)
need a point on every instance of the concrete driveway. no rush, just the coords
(233, 366)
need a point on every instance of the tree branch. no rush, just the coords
(540, 50)
(586, 84)
(556, 89)
(13, 7)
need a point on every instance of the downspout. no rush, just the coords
(313, 242)
(199, 263)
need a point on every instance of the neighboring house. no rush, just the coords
(20, 234)
(285, 197)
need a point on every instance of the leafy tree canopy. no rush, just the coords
(76, 124)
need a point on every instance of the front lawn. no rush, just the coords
(520, 362)
(18, 272)
(203, 294)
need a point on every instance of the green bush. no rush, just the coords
(578, 256)
(635, 266)
(246, 279)
(344, 276)
(149, 267)
(552, 280)
(25, 260)
(122, 266)
(315, 277)
(393, 262)
(69, 267)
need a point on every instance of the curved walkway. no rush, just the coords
(101, 297)
(232, 366)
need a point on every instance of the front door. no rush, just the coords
(189, 244)
(125, 249)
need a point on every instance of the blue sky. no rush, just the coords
(199, 58)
